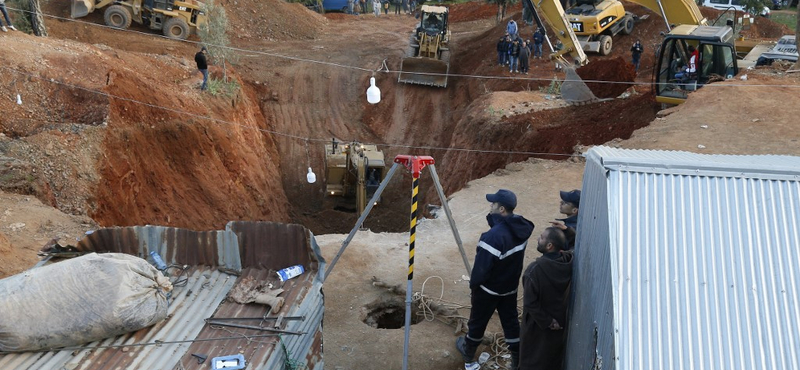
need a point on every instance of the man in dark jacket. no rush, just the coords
(495, 276)
(570, 201)
(513, 54)
(524, 57)
(202, 66)
(544, 303)
(636, 54)
(501, 50)
(538, 39)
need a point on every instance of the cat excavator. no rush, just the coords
(719, 51)
(353, 171)
(428, 58)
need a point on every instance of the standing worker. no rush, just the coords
(495, 276)
(513, 54)
(636, 54)
(538, 39)
(512, 29)
(544, 303)
(376, 7)
(5, 15)
(202, 66)
(524, 57)
(570, 203)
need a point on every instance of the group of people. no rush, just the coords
(515, 53)
(357, 7)
(537, 343)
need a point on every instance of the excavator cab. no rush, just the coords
(717, 61)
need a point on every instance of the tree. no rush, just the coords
(501, 7)
(214, 36)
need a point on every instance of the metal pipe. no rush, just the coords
(253, 327)
(453, 228)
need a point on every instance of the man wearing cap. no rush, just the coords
(495, 277)
(570, 201)
(202, 66)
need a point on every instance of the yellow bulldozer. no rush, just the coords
(353, 170)
(427, 60)
(176, 19)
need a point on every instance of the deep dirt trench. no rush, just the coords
(248, 159)
(330, 102)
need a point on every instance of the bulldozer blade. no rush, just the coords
(573, 89)
(81, 8)
(423, 71)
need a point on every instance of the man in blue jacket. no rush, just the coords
(495, 276)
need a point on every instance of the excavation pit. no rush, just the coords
(388, 313)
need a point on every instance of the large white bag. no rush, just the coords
(80, 300)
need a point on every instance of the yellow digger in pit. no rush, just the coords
(428, 57)
(353, 170)
(176, 19)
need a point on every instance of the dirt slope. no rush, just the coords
(140, 164)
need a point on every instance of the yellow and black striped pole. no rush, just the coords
(413, 229)
(415, 164)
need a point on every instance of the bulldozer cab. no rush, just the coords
(428, 59)
(717, 61)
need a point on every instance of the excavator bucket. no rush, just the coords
(573, 89)
(81, 8)
(424, 71)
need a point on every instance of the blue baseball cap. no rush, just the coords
(504, 198)
(573, 197)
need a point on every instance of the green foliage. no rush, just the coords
(19, 18)
(219, 87)
(785, 18)
(214, 36)
(554, 88)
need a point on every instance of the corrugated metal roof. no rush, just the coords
(185, 332)
(693, 164)
(703, 268)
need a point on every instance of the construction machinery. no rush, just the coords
(353, 170)
(427, 60)
(595, 22)
(720, 54)
(176, 19)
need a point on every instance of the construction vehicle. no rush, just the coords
(719, 51)
(595, 22)
(353, 170)
(176, 19)
(427, 60)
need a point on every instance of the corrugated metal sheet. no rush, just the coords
(203, 297)
(704, 267)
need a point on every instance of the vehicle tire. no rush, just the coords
(605, 45)
(176, 28)
(117, 16)
(627, 28)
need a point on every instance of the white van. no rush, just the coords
(732, 4)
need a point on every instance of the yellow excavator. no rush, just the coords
(427, 61)
(717, 55)
(353, 170)
(595, 22)
(176, 19)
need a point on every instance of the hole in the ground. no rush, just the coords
(388, 313)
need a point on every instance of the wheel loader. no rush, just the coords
(353, 171)
(595, 22)
(427, 60)
(176, 19)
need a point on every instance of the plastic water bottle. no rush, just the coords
(290, 272)
(158, 261)
(483, 358)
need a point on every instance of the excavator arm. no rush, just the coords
(675, 12)
(553, 13)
